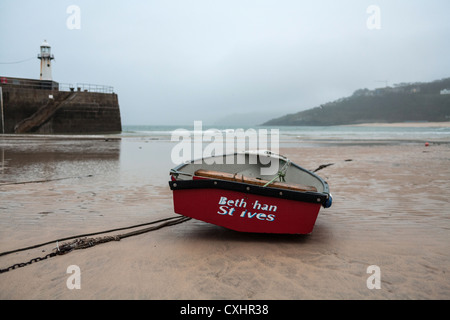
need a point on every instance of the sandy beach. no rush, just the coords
(390, 210)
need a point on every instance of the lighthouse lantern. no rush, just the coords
(46, 65)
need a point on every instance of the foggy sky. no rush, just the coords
(173, 62)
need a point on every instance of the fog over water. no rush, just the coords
(225, 62)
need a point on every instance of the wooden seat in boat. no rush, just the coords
(243, 179)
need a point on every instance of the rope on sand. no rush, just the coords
(83, 242)
(42, 181)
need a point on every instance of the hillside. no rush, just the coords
(404, 102)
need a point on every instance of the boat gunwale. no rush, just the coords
(304, 196)
(325, 186)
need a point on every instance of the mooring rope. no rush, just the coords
(281, 174)
(83, 242)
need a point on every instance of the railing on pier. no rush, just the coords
(53, 85)
(86, 87)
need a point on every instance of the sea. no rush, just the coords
(143, 151)
(301, 135)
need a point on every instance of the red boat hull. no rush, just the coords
(246, 212)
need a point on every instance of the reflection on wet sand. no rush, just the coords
(47, 159)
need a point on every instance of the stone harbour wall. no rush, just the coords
(54, 111)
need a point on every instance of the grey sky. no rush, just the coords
(173, 62)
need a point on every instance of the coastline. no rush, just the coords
(403, 124)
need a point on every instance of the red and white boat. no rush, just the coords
(234, 191)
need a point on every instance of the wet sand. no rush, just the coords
(390, 210)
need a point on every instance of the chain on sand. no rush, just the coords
(83, 243)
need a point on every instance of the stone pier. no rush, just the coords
(36, 106)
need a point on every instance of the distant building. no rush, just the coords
(445, 91)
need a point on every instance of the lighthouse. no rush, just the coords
(46, 61)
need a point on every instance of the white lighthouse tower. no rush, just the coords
(46, 61)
